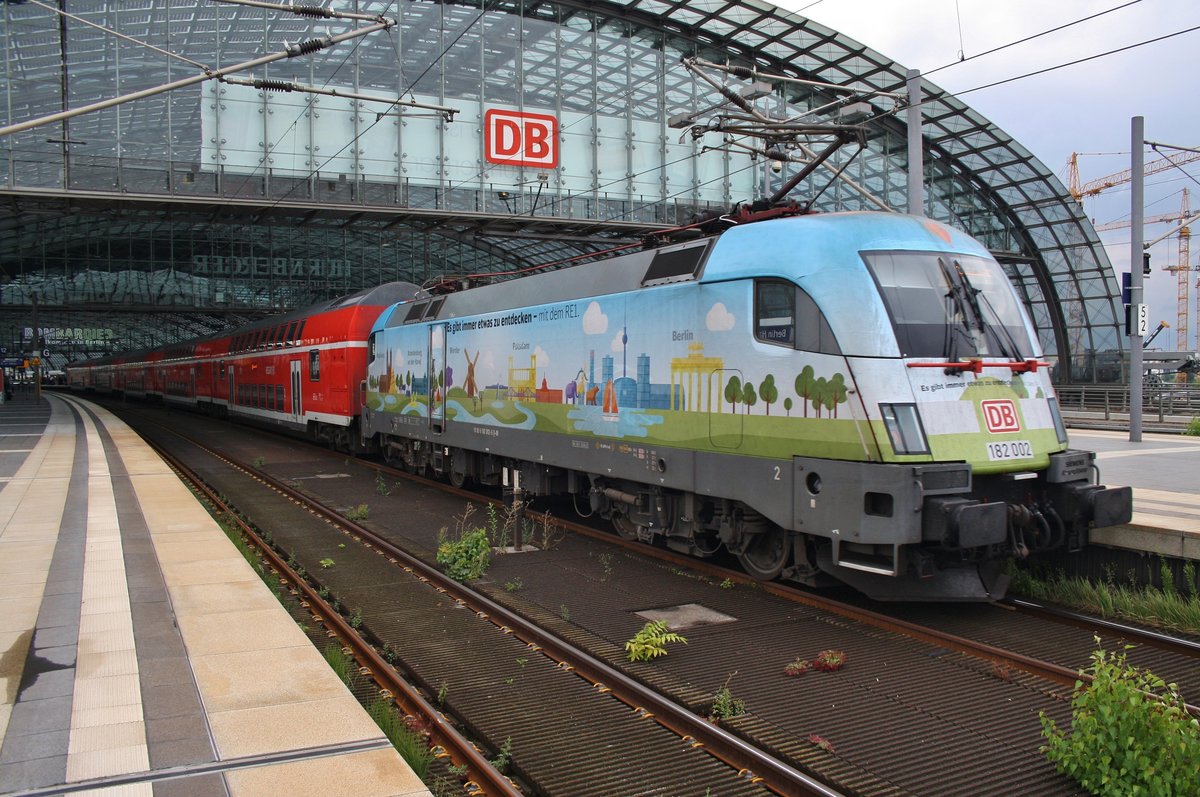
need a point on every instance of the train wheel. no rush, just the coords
(767, 553)
(457, 479)
(626, 528)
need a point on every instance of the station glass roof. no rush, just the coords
(149, 186)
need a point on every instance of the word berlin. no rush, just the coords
(295, 267)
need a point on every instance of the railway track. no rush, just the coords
(678, 751)
(928, 683)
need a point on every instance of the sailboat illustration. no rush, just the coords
(609, 410)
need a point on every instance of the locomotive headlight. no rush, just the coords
(904, 428)
(1059, 427)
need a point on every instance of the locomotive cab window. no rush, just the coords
(786, 315)
(371, 348)
(775, 312)
(314, 365)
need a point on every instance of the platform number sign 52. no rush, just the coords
(1000, 415)
(516, 138)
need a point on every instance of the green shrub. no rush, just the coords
(359, 512)
(651, 641)
(1193, 428)
(725, 705)
(467, 557)
(1130, 733)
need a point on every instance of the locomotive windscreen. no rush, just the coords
(950, 305)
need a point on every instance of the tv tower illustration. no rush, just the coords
(624, 350)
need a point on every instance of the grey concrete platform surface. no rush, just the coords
(1164, 471)
(139, 652)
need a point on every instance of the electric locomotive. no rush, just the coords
(852, 396)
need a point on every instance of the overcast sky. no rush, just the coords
(1084, 108)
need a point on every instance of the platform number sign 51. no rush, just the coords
(1000, 415)
(516, 138)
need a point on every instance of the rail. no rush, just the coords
(753, 763)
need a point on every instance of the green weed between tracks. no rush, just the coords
(1164, 607)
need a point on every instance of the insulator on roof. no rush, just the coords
(312, 11)
(310, 46)
(274, 85)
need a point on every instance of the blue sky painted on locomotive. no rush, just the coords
(1083, 108)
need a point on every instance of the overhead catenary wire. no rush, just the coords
(1077, 61)
(1047, 32)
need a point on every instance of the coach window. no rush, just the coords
(300, 332)
(277, 336)
(775, 312)
(314, 365)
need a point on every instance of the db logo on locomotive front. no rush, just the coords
(1000, 415)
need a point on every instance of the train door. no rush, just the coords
(437, 378)
(230, 397)
(295, 409)
(725, 427)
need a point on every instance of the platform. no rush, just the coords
(1164, 472)
(139, 652)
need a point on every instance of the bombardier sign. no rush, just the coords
(516, 138)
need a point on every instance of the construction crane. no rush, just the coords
(1161, 326)
(1182, 267)
(1093, 187)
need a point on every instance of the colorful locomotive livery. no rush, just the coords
(855, 397)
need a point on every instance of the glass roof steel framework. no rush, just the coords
(88, 203)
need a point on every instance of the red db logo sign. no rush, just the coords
(513, 138)
(1000, 416)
